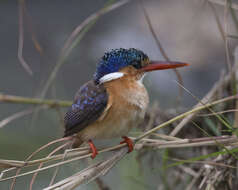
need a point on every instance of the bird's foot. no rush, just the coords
(93, 149)
(129, 143)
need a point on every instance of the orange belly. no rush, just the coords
(126, 109)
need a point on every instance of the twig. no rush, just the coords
(223, 3)
(4, 163)
(34, 153)
(57, 168)
(14, 164)
(85, 150)
(228, 59)
(15, 116)
(166, 137)
(219, 25)
(191, 184)
(31, 29)
(186, 143)
(190, 144)
(188, 171)
(36, 101)
(206, 162)
(208, 97)
(53, 152)
(90, 173)
(21, 39)
(91, 18)
(88, 22)
(222, 120)
(219, 112)
(194, 110)
(161, 49)
(235, 125)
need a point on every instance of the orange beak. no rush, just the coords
(161, 65)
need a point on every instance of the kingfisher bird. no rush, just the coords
(115, 100)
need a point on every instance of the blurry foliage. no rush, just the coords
(187, 31)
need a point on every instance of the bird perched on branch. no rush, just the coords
(115, 100)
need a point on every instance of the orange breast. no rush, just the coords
(128, 100)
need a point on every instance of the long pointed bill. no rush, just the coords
(162, 65)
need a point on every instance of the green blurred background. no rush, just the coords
(187, 30)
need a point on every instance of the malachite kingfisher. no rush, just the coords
(115, 100)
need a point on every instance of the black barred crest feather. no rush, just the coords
(116, 59)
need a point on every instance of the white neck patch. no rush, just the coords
(140, 81)
(111, 76)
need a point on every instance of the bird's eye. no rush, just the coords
(145, 62)
(136, 65)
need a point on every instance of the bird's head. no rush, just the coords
(119, 62)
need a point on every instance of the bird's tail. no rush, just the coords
(77, 142)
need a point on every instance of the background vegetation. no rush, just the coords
(50, 48)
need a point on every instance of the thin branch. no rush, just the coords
(57, 168)
(199, 142)
(222, 120)
(223, 32)
(93, 173)
(223, 3)
(31, 29)
(34, 153)
(206, 162)
(89, 174)
(15, 116)
(220, 112)
(35, 101)
(161, 49)
(94, 16)
(52, 153)
(69, 45)
(228, 59)
(21, 39)
(181, 116)
(219, 25)
(192, 183)
(4, 163)
(208, 97)
(235, 124)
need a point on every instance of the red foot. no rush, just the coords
(129, 143)
(93, 149)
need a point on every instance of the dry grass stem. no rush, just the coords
(21, 39)
(34, 153)
(223, 3)
(78, 29)
(70, 42)
(207, 141)
(52, 153)
(224, 81)
(184, 115)
(34, 101)
(92, 172)
(161, 49)
(16, 116)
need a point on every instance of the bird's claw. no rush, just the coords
(129, 143)
(93, 149)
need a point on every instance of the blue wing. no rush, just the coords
(89, 103)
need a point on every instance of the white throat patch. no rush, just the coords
(140, 81)
(111, 76)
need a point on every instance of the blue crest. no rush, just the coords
(116, 59)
